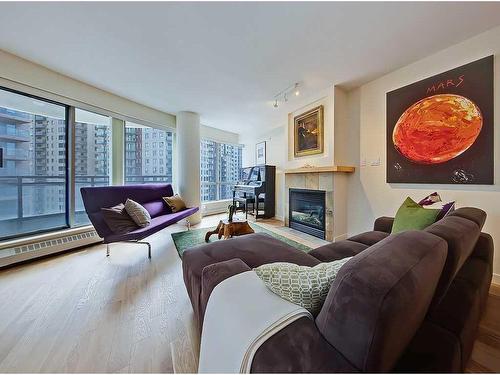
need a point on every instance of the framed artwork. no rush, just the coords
(440, 129)
(308, 132)
(260, 153)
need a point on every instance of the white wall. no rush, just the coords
(23, 75)
(280, 152)
(369, 195)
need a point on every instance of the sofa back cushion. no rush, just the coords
(461, 230)
(95, 198)
(380, 298)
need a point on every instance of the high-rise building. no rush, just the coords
(148, 154)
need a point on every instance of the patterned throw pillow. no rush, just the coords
(175, 203)
(138, 213)
(302, 285)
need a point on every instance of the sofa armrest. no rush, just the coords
(484, 248)
(299, 348)
(383, 224)
(215, 273)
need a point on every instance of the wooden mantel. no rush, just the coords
(332, 169)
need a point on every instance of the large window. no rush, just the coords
(92, 156)
(148, 154)
(33, 137)
(220, 165)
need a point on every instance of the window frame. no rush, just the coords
(67, 169)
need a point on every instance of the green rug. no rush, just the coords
(189, 238)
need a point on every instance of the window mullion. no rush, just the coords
(71, 166)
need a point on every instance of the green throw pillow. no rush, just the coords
(302, 285)
(412, 216)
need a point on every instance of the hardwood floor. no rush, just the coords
(83, 312)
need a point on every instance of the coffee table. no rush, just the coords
(228, 229)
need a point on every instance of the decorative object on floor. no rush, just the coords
(149, 195)
(229, 228)
(176, 203)
(308, 132)
(440, 129)
(138, 213)
(412, 216)
(187, 239)
(260, 153)
(231, 210)
(118, 220)
(302, 285)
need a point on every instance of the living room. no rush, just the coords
(249, 187)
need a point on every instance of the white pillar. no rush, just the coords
(188, 152)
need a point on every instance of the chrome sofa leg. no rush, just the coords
(149, 247)
(107, 249)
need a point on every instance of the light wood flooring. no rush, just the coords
(83, 312)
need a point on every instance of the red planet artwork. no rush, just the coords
(440, 130)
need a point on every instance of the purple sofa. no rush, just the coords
(150, 196)
(408, 302)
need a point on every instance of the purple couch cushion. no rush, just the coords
(369, 238)
(157, 223)
(157, 208)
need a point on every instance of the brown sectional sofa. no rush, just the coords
(409, 302)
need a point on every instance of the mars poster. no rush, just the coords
(440, 129)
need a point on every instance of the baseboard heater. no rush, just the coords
(31, 250)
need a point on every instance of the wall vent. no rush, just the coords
(45, 247)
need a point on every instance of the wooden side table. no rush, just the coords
(228, 229)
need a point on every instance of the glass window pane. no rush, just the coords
(220, 164)
(33, 175)
(92, 156)
(148, 154)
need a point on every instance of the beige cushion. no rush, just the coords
(175, 203)
(138, 213)
(302, 285)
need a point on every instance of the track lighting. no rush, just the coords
(283, 94)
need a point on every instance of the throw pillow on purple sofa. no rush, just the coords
(118, 220)
(138, 213)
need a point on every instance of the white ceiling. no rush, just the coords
(227, 60)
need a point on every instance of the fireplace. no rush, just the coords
(307, 211)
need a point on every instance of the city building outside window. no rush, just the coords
(141, 152)
(220, 165)
(32, 182)
(92, 156)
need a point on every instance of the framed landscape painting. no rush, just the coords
(440, 129)
(308, 132)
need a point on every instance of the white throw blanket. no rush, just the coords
(242, 313)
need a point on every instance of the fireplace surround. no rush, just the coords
(307, 211)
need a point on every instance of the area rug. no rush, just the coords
(189, 238)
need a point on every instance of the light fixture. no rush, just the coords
(283, 94)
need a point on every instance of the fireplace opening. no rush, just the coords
(307, 211)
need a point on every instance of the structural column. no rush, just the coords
(188, 160)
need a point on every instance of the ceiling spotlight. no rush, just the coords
(282, 96)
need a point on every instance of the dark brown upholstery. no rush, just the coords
(338, 250)
(253, 249)
(299, 348)
(380, 297)
(376, 316)
(369, 238)
(461, 234)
